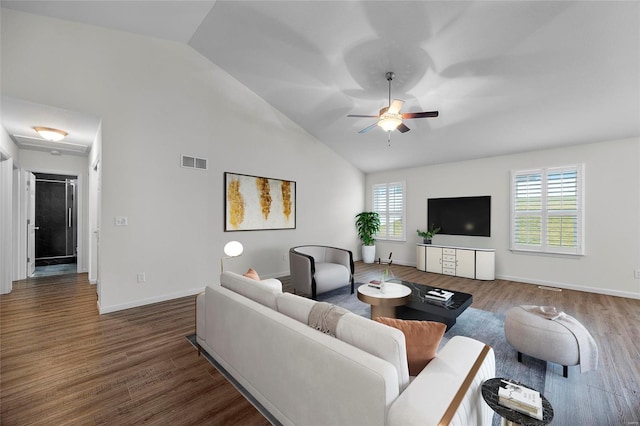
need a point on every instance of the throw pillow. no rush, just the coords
(422, 339)
(251, 273)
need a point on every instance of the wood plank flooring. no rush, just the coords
(63, 363)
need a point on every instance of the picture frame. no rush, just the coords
(255, 203)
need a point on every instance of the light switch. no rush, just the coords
(122, 221)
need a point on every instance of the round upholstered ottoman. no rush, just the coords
(541, 338)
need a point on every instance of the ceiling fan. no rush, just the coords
(390, 117)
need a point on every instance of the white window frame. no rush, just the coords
(385, 214)
(544, 212)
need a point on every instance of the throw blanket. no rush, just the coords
(586, 345)
(325, 316)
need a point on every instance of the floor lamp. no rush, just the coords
(231, 249)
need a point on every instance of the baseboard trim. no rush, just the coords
(149, 301)
(567, 286)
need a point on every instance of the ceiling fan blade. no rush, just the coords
(360, 115)
(395, 106)
(366, 129)
(423, 114)
(402, 128)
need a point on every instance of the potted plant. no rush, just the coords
(367, 225)
(428, 235)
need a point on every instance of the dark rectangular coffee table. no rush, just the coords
(421, 308)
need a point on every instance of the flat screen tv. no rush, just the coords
(460, 215)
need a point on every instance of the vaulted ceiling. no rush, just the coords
(506, 76)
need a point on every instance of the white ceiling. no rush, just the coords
(19, 118)
(506, 76)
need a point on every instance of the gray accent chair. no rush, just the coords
(317, 269)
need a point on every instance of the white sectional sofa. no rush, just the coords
(301, 376)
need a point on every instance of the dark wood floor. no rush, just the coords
(63, 363)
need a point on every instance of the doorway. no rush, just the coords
(56, 224)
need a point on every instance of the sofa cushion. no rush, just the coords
(376, 339)
(384, 342)
(264, 292)
(295, 307)
(422, 337)
(331, 273)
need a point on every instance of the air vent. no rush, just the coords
(191, 162)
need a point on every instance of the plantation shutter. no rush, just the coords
(546, 210)
(389, 203)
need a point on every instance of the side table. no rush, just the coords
(509, 416)
(384, 301)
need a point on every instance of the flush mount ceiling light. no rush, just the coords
(51, 134)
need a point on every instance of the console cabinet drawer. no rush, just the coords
(471, 263)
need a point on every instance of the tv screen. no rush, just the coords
(460, 215)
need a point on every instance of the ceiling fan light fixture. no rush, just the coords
(390, 123)
(50, 133)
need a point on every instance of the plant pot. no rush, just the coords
(368, 254)
(426, 241)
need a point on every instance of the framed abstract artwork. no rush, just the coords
(253, 203)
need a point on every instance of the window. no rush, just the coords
(547, 210)
(389, 203)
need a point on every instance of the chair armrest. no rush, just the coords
(302, 268)
(340, 256)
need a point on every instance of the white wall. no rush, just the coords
(6, 209)
(8, 156)
(158, 99)
(612, 208)
(94, 205)
(7, 146)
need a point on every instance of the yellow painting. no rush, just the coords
(258, 203)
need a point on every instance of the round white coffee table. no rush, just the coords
(384, 301)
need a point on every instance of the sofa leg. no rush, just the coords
(565, 371)
(519, 356)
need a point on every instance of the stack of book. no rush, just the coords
(375, 284)
(437, 294)
(521, 399)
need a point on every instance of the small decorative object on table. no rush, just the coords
(521, 399)
(438, 294)
(516, 403)
(427, 236)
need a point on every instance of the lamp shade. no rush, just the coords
(233, 248)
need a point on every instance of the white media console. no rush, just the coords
(475, 263)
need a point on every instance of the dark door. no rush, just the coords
(55, 219)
